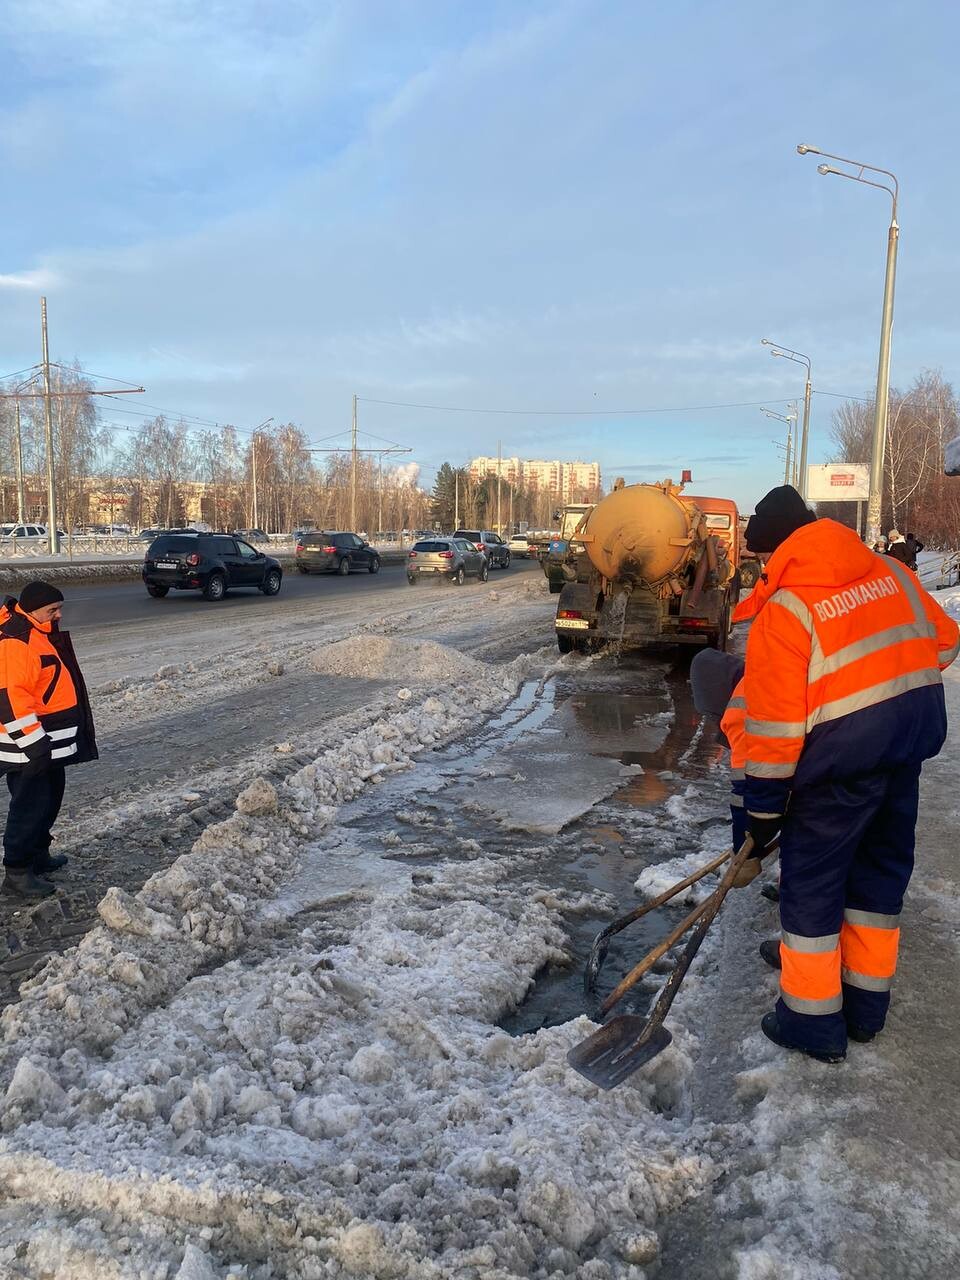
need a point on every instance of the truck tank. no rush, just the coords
(642, 532)
(656, 567)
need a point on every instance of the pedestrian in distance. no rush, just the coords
(897, 547)
(844, 702)
(914, 547)
(45, 724)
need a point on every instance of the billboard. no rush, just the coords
(838, 482)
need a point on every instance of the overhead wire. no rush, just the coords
(574, 413)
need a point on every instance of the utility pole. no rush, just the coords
(511, 511)
(499, 469)
(787, 475)
(456, 498)
(54, 541)
(353, 469)
(253, 467)
(18, 440)
(380, 495)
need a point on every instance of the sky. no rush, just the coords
(563, 209)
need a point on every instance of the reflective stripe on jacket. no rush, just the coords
(44, 713)
(733, 727)
(843, 666)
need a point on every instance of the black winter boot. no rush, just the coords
(24, 884)
(771, 892)
(770, 950)
(49, 862)
(770, 1026)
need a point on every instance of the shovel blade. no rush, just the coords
(617, 1050)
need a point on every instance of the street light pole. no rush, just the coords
(881, 400)
(798, 358)
(790, 419)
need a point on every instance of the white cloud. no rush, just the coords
(43, 278)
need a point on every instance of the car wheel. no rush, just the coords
(302, 568)
(375, 564)
(412, 579)
(458, 577)
(156, 590)
(343, 568)
(484, 573)
(271, 582)
(506, 563)
(216, 587)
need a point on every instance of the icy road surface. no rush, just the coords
(327, 1037)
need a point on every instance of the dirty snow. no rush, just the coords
(207, 1087)
(393, 658)
(281, 1058)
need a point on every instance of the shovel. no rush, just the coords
(626, 1043)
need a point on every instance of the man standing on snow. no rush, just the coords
(844, 701)
(45, 724)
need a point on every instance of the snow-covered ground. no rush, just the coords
(282, 1057)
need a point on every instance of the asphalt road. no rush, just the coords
(118, 603)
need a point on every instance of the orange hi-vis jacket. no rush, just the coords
(733, 726)
(843, 666)
(44, 712)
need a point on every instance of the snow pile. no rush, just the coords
(349, 1113)
(378, 657)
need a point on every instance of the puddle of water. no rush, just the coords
(559, 740)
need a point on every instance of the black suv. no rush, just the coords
(210, 562)
(320, 552)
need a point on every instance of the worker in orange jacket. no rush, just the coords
(844, 702)
(45, 724)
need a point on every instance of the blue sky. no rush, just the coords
(260, 209)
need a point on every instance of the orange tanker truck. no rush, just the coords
(656, 567)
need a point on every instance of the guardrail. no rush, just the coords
(942, 572)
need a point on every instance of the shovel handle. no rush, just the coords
(621, 923)
(707, 915)
(651, 958)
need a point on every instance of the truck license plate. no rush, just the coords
(573, 624)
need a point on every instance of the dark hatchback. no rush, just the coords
(213, 563)
(343, 553)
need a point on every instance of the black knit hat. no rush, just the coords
(779, 514)
(37, 594)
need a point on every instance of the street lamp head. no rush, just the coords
(805, 149)
(824, 169)
(765, 342)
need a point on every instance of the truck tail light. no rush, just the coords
(569, 613)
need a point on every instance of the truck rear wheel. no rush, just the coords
(564, 643)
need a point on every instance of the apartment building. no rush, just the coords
(567, 481)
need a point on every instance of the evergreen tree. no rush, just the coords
(444, 501)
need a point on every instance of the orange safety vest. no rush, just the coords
(843, 666)
(44, 713)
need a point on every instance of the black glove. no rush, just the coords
(764, 831)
